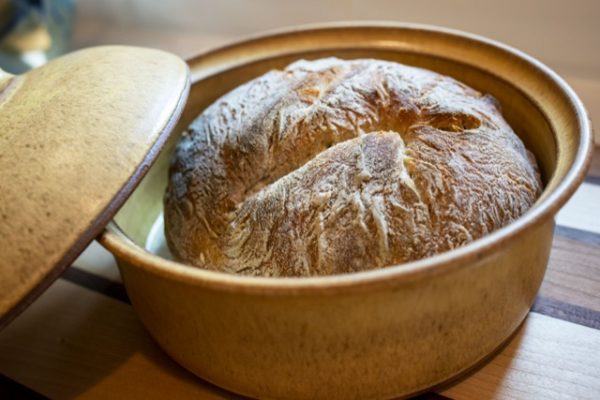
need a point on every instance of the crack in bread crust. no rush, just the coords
(334, 166)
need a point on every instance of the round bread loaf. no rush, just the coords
(334, 166)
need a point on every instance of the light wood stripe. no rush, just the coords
(583, 210)
(547, 359)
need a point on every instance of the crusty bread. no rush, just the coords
(334, 166)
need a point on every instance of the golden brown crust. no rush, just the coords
(334, 166)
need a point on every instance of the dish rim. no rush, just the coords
(122, 247)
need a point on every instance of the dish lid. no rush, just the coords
(76, 137)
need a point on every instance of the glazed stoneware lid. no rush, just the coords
(76, 136)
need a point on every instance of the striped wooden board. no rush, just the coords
(81, 339)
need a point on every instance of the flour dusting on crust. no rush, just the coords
(334, 166)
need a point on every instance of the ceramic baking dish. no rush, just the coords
(376, 334)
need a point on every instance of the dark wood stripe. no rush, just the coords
(595, 167)
(573, 273)
(430, 396)
(10, 389)
(96, 283)
(579, 235)
(594, 180)
(567, 312)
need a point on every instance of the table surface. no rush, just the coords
(82, 339)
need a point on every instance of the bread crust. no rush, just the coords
(334, 166)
